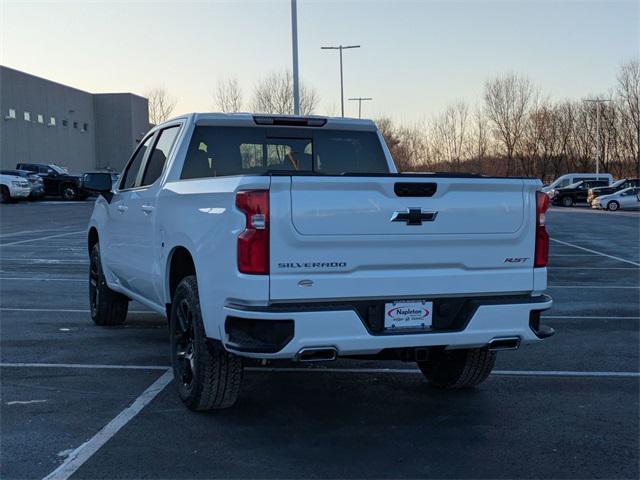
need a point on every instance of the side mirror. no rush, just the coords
(99, 183)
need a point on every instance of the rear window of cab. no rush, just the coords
(223, 151)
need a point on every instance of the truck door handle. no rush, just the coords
(147, 209)
(122, 208)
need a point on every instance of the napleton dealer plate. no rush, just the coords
(408, 314)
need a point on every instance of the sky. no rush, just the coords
(416, 57)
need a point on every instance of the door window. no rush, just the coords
(159, 155)
(130, 174)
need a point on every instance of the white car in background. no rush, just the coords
(627, 198)
(14, 187)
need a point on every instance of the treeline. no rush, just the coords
(515, 130)
(512, 130)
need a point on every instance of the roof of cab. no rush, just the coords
(249, 120)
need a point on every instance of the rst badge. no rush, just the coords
(408, 314)
(516, 259)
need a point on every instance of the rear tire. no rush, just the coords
(69, 192)
(458, 368)
(567, 202)
(107, 307)
(206, 375)
(6, 195)
(613, 206)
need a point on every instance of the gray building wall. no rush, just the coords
(118, 116)
(87, 130)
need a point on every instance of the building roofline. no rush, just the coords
(68, 86)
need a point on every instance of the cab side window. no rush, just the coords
(159, 155)
(131, 172)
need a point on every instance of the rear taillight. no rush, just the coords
(253, 241)
(542, 237)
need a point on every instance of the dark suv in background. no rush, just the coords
(57, 181)
(613, 188)
(576, 192)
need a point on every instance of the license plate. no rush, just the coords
(408, 314)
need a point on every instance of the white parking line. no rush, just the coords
(45, 279)
(85, 451)
(43, 261)
(83, 365)
(20, 242)
(63, 310)
(23, 232)
(524, 373)
(595, 251)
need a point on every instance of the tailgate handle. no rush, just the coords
(414, 189)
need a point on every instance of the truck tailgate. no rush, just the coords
(396, 237)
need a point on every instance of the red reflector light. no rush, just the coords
(253, 241)
(541, 257)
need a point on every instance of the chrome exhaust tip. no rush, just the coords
(504, 343)
(317, 354)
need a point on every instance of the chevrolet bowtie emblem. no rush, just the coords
(414, 216)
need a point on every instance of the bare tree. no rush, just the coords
(629, 94)
(449, 135)
(408, 145)
(161, 105)
(274, 94)
(507, 100)
(228, 95)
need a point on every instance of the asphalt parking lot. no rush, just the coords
(96, 402)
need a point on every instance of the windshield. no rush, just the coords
(221, 151)
(58, 169)
(618, 183)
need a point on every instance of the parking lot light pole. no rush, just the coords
(360, 100)
(294, 48)
(341, 47)
(598, 101)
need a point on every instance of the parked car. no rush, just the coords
(276, 237)
(574, 193)
(35, 181)
(13, 187)
(613, 188)
(627, 198)
(57, 180)
(571, 178)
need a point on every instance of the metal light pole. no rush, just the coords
(294, 46)
(597, 101)
(360, 100)
(341, 47)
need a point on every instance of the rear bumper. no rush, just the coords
(344, 328)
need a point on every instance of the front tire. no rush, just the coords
(613, 206)
(206, 375)
(456, 369)
(107, 307)
(6, 195)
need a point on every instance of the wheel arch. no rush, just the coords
(180, 264)
(93, 238)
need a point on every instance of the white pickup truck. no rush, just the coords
(275, 237)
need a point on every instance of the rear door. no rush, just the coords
(119, 250)
(400, 236)
(144, 238)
